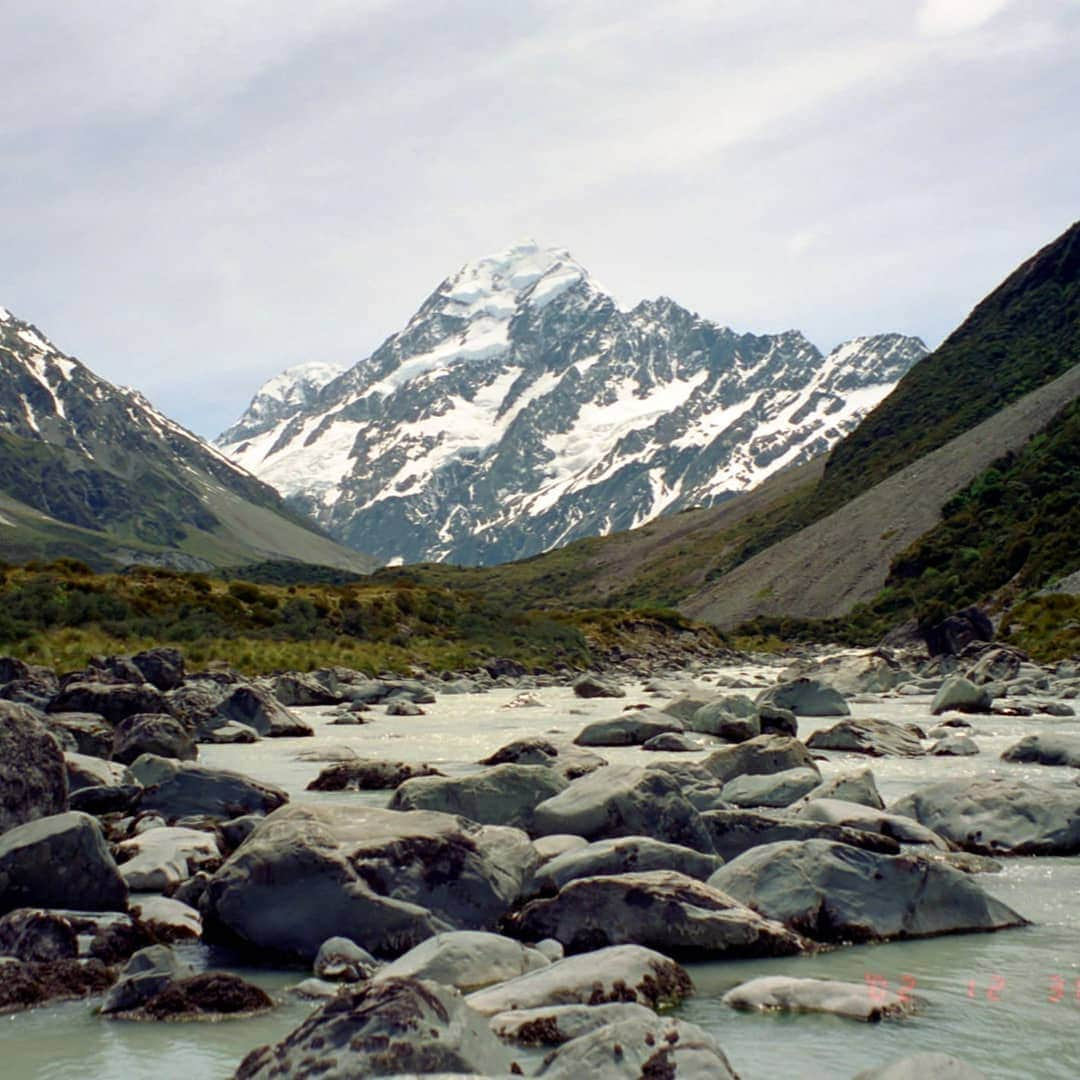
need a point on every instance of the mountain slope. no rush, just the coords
(91, 469)
(521, 408)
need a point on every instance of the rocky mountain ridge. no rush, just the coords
(521, 408)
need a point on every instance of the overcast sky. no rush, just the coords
(197, 195)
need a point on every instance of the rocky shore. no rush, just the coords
(547, 898)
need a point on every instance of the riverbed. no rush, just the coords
(1008, 1003)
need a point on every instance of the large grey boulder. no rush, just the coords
(33, 777)
(144, 976)
(736, 831)
(873, 673)
(161, 666)
(959, 693)
(697, 784)
(179, 789)
(295, 688)
(955, 746)
(929, 1066)
(366, 774)
(622, 855)
(1000, 664)
(160, 859)
(114, 701)
(466, 960)
(623, 800)
(877, 738)
(500, 795)
(339, 958)
(84, 771)
(835, 893)
(904, 830)
(553, 1025)
(806, 697)
(60, 861)
(569, 760)
(630, 729)
(660, 909)
(783, 993)
(733, 718)
(153, 733)
(594, 686)
(857, 786)
(619, 973)
(36, 936)
(396, 1027)
(1045, 748)
(764, 754)
(385, 879)
(772, 789)
(635, 1048)
(259, 709)
(998, 815)
(91, 735)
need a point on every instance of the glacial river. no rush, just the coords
(1008, 1003)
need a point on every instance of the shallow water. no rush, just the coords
(988, 998)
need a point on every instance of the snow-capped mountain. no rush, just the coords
(79, 452)
(521, 408)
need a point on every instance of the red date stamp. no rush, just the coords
(990, 988)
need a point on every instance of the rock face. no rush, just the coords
(806, 697)
(1046, 749)
(176, 789)
(834, 893)
(622, 800)
(996, 815)
(624, 855)
(33, 777)
(781, 993)
(500, 795)
(153, 734)
(382, 878)
(660, 909)
(466, 960)
(877, 738)
(386, 1028)
(61, 862)
(619, 973)
(634, 1048)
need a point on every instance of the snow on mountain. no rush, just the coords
(521, 408)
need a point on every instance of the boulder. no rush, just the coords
(258, 709)
(835, 893)
(570, 760)
(776, 721)
(635, 1048)
(858, 786)
(998, 815)
(161, 667)
(996, 665)
(805, 697)
(771, 789)
(33, 778)
(954, 633)
(37, 936)
(868, 673)
(387, 1028)
(955, 746)
(365, 774)
(84, 771)
(1046, 749)
(177, 789)
(660, 909)
(113, 701)
(904, 830)
(877, 738)
(144, 976)
(550, 847)
(553, 1025)
(765, 754)
(343, 960)
(958, 693)
(385, 879)
(91, 735)
(733, 718)
(631, 729)
(619, 973)
(60, 861)
(625, 854)
(228, 734)
(782, 993)
(466, 960)
(153, 733)
(25, 985)
(209, 995)
(159, 860)
(500, 795)
(403, 707)
(673, 743)
(593, 686)
(166, 918)
(623, 800)
(736, 831)
(296, 689)
(929, 1066)
(106, 799)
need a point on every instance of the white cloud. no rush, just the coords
(944, 17)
